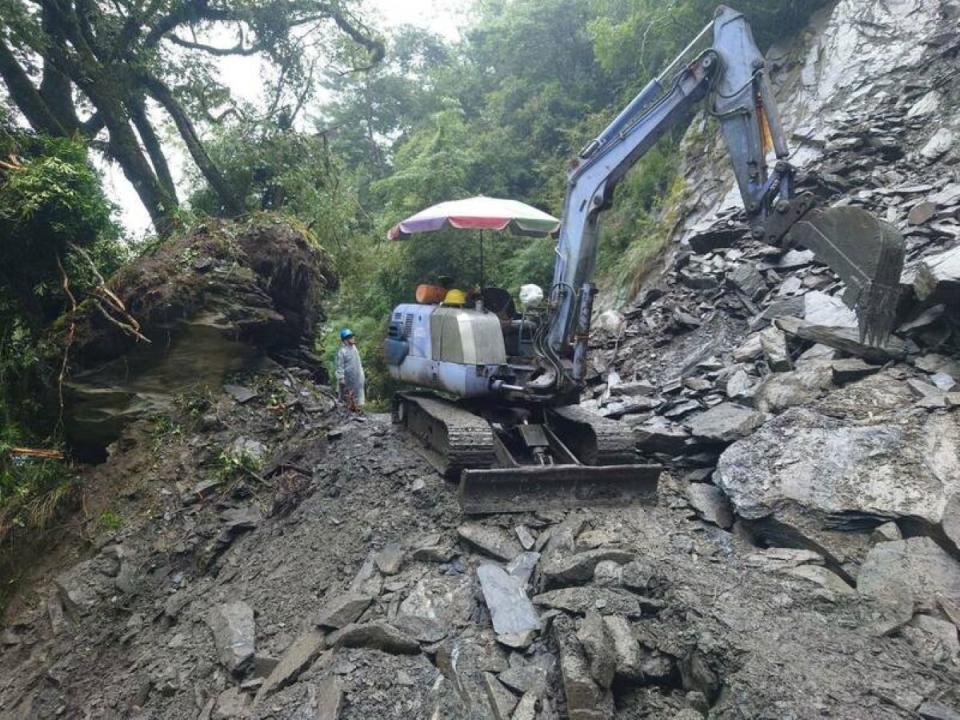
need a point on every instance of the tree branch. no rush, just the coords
(152, 144)
(238, 49)
(25, 95)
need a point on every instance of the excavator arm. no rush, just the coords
(865, 252)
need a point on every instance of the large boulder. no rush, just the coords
(860, 456)
(210, 301)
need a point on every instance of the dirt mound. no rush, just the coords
(208, 302)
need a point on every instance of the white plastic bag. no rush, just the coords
(531, 295)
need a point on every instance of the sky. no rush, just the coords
(444, 17)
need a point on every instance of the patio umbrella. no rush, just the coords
(478, 213)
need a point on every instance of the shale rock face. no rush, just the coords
(210, 301)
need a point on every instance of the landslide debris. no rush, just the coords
(213, 300)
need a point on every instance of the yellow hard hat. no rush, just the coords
(455, 297)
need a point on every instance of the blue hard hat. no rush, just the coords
(345, 333)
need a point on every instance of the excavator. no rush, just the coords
(498, 399)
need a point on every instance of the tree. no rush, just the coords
(96, 69)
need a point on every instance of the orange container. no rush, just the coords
(430, 294)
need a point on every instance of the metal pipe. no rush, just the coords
(582, 336)
(679, 58)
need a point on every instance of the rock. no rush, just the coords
(490, 540)
(298, 657)
(934, 363)
(748, 280)
(526, 538)
(806, 470)
(780, 559)
(932, 710)
(83, 587)
(447, 600)
(234, 633)
(377, 636)
(232, 704)
(518, 641)
(625, 647)
(580, 600)
(917, 566)
(586, 700)
(240, 393)
(943, 382)
(844, 339)
(522, 566)
(794, 259)
(927, 105)
(526, 708)
(527, 679)
(598, 647)
(502, 701)
(510, 609)
(419, 628)
(829, 581)
(739, 386)
(827, 310)
(368, 580)
(919, 214)
(886, 532)
(851, 369)
(711, 504)
(697, 675)
(634, 388)
(780, 391)
(940, 143)
(563, 570)
(951, 519)
(938, 275)
(944, 634)
(433, 548)
(660, 435)
(949, 195)
(725, 423)
(343, 610)
(749, 350)
(389, 559)
(639, 576)
(775, 350)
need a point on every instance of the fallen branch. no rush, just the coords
(127, 329)
(70, 334)
(37, 452)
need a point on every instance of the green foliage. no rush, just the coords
(232, 465)
(110, 521)
(50, 206)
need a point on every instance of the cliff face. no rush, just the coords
(739, 365)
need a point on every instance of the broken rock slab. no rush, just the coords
(598, 647)
(725, 423)
(491, 540)
(234, 633)
(710, 504)
(916, 565)
(297, 658)
(827, 310)
(844, 339)
(510, 609)
(581, 600)
(576, 569)
(586, 700)
(376, 636)
(343, 610)
(939, 275)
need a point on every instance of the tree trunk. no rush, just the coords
(226, 194)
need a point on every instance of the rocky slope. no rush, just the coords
(279, 559)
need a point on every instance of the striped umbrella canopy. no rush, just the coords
(478, 213)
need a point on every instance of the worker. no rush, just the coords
(350, 379)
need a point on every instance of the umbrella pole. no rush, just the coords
(480, 301)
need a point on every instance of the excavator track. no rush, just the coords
(453, 439)
(595, 440)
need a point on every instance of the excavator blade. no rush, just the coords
(556, 487)
(866, 253)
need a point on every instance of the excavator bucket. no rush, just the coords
(556, 487)
(866, 253)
